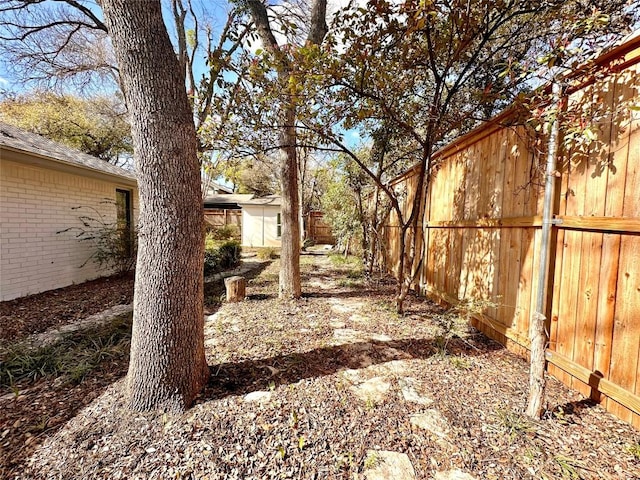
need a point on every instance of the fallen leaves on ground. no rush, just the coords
(285, 400)
(38, 313)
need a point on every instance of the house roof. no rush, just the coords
(39, 150)
(275, 200)
(229, 201)
(228, 198)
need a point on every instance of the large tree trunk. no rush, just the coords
(290, 251)
(167, 367)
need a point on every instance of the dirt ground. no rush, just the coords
(40, 312)
(322, 388)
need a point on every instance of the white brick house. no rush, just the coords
(41, 182)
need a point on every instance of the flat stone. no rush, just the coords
(410, 394)
(389, 466)
(365, 360)
(345, 305)
(394, 367)
(380, 338)
(341, 308)
(432, 421)
(212, 318)
(352, 375)
(374, 390)
(345, 335)
(53, 336)
(337, 324)
(453, 475)
(394, 353)
(320, 284)
(259, 396)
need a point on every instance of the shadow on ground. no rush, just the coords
(247, 376)
(31, 411)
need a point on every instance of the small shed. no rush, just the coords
(262, 221)
(45, 187)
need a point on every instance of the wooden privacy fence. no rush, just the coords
(482, 235)
(318, 230)
(218, 217)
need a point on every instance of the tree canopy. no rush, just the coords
(95, 125)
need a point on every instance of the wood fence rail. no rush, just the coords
(482, 236)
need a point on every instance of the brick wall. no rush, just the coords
(35, 203)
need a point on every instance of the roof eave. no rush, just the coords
(31, 158)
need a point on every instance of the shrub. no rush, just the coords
(226, 232)
(221, 257)
(267, 253)
(115, 246)
(308, 242)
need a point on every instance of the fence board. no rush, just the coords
(481, 230)
(626, 333)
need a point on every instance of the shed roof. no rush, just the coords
(19, 140)
(227, 198)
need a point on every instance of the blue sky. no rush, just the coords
(213, 12)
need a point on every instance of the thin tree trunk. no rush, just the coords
(290, 251)
(400, 296)
(538, 337)
(290, 241)
(167, 367)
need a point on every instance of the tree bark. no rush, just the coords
(537, 366)
(236, 288)
(167, 367)
(289, 285)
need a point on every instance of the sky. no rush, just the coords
(214, 13)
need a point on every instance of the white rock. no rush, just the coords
(357, 318)
(389, 466)
(394, 367)
(374, 390)
(364, 360)
(410, 394)
(259, 396)
(351, 375)
(342, 336)
(380, 338)
(432, 421)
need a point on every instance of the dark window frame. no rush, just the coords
(279, 225)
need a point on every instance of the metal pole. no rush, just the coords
(547, 209)
(537, 332)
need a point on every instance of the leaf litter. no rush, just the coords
(281, 402)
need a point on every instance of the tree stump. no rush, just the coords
(236, 288)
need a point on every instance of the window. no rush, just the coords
(123, 218)
(279, 225)
(123, 208)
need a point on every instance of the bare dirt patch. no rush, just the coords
(308, 422)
